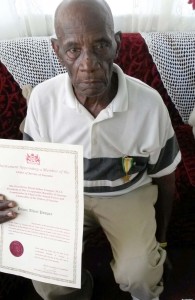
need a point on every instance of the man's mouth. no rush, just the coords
(91, 83)
(88, 81)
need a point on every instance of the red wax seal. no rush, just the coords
(16, 248)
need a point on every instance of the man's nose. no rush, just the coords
(88, 61)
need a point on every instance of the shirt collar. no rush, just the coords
(118, 104)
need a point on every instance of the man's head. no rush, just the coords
(86, 44)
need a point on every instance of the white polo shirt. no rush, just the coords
(135, 125)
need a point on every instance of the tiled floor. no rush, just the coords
(180, 286)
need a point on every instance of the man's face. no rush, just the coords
(87, 50)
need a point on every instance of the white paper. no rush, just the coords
(44, 242)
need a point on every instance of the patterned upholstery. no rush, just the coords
(30, 60)
(135, 60)
(177, 76)
(12, 106)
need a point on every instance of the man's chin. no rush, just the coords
(91, 91)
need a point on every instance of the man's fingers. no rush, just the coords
(7, 215)
(6, 203)
(2, 197)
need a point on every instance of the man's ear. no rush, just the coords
(56, 47)
(118, 41)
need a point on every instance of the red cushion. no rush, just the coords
(12, 106)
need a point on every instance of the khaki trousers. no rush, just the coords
(129, 223)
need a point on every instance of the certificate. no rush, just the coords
(44, 242)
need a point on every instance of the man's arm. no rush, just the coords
(163, 206)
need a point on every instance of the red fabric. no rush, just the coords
(12, 106)
(135, 60)
(192, 2)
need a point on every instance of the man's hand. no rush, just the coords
(6, 212)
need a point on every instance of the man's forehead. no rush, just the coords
(84, 28)
(78, 37)
(82, 17)
(77, 27)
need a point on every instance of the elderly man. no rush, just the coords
(130, 149)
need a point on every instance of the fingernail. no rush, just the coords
(1, 197)
(10, 214)
(11, 204)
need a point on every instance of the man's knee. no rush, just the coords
(147, 269)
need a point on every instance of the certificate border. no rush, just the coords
(76, 169)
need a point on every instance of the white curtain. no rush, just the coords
(153, 15)
(20, 18)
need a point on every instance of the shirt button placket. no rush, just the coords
(93, 139)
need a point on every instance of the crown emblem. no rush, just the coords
(33, 159)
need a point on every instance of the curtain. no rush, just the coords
(20, 18)
(153, 15)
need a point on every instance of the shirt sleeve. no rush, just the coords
(165, 158)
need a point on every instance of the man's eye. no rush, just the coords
(73, 53)
(102, 46)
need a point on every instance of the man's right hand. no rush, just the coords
(6, 212)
